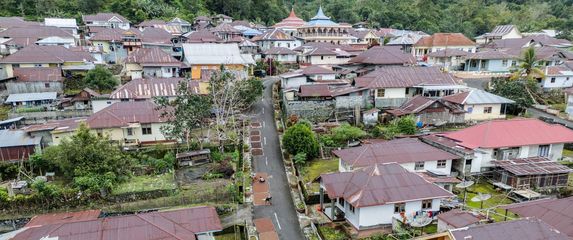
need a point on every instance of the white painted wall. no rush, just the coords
(392, 93)
(476, 112)
(294, 82)
(559, 82)
(429, 166)
(99, 104)
(383, 214)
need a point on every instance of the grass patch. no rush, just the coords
(497, 198)
(146, 183)
(316, 167)
(331, 233)
(568, 153)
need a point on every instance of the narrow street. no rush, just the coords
(282, 211)
(536, 113)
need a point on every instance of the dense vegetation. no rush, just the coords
(471, 17)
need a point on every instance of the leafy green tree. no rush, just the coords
(406, 125)
(529, 67)
(301, 139)
(300, 158)
(346, 132)
(515, 90)
(251, 90)
(186, 112)
(92, 162)
(101, 79)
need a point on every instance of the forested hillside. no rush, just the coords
(471, 17)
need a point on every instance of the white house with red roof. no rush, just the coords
(376, 195)
(502, 140)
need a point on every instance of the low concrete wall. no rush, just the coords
(311, 110)
(43, 117)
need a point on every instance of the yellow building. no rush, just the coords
(202, 57)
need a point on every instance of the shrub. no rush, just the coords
(300, 138)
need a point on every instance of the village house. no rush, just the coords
(310, 74)
(290, 24)
(457, 218)
(429, 111)
(209, 57)
(411, 153)
(46, 56)
(54, 131)
(151, 62)
(146, 89)
(276, 38)
(531, 173)
(499, 32)
(40, 100)
(202, 23)
(201, 36)
(482, 144)
(324, 55)
(130, 123)
(449, 59)
(106, 20)
(160, 38)
(403, 38)
(18, 37)
(524, 229)
(480, 105)
(281, 54)
(558, 77)
(363, 37)
(115, 44)
(174, 29)
(492, 60)
(557, 213)
(225, 31)
(187, 223)
(185, 26)
(379, 56)
(442, 41)
(392, 86)
(321, 29)
(221, 18)
(82, 100)
(16, 145)
(67, 24)
(377, 195)
(33, 80)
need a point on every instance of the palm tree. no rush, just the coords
(529, 69)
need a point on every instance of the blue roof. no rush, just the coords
(320, 19)
(252, 32)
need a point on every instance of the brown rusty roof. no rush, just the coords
(63, 125)
(224, 28)
(384, 55)
(152, 57)
(458, 218)
(146, 88)
(399, 76)
(404, 150)
(49, 74)
(181, 224)
(121, 114)
(413, 105)
(522, 229)
(46, 54)
(380, 184)
(445, 39)
(27, 35)
(315, 90)
(202, 36)
(532, 166)
(156, 35)
(67, 217)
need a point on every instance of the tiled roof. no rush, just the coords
(292, 21)
(458, 218)
(393, 77)
(152, 57)
(279, 51)
(66, 217)
(532, 166)
(51, 74)
(103, 17)
(46, 54)
(405, 150)
(511, 133)
(380, 184)
(183, 224)
(477, 96)
(273, 35)
(384, 55)
(445, 39)
(121, 114)
(558, 213)
(521, 229)
(147, 88)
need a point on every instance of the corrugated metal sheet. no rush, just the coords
(144, 88)
(522, 229)
(211, 53)
(532, 166)
(57, 218)
(23, 97)
(395, 77)
(458, 218)
(15, 138)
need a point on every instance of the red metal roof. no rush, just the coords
(532, 166)
(146, 88)
(404, 150)
(399, 76)
(121, 114)
(384, 55)
(458, 218)
(180, 224)
(49, 74)
(511, 133)
(556, 212)
(522, 229)
(67, 217)
(380, 184)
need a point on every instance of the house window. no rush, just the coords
(146, 130)
(321, 57)
(380, 93)
(341, 201)
(543, 151)
(47, 85)
(351, 208)
(487, 110)
(38, 65)
(399, 207)
(473, 63)
(504, 62)
(419, 166)
(483, 64)
(442, 163)
(427, 204)
(552, 80)
(513, 63)
(407, 91)
(130, 132)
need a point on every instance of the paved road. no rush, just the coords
(282, 211)
(538, 113)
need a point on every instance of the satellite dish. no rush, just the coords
(465, 184)
(420, 221)
(481, 197)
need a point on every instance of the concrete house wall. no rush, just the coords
(476, 112)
